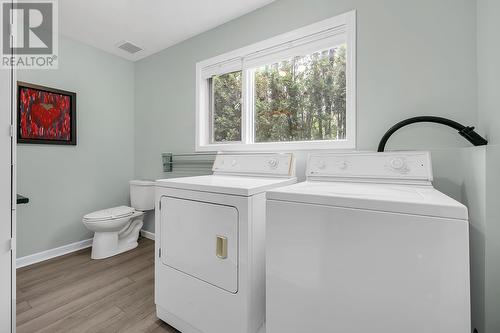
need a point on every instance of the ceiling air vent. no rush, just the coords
(129, 47)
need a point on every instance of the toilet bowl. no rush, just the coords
(117, 229)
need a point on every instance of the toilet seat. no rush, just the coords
(109, 214)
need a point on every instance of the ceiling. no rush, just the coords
(152, 25)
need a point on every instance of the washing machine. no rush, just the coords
(367, 245)
(210, 244)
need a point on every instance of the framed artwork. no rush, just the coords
(45, 115)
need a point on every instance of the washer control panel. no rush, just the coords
(393, 165)
(255, 164)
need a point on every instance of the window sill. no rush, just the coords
(278, 146)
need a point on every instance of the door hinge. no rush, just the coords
(12, 244)
(159, 252)
(11, 131)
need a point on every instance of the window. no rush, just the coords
(226, 107)
(293, 91)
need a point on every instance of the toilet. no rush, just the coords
(116, 229)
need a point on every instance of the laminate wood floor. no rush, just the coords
(73, 293)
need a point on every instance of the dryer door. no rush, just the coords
(201, 239)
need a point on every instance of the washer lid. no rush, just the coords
(223, 184)
(409, 199)
(110, 213)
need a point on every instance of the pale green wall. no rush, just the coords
(64, 183)
(460, 173)
(489, 117)
(488, 54)
(492, 236)
(414, 57)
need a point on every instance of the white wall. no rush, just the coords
(65, 182)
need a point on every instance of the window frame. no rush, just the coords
(230, 60)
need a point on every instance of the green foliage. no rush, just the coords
(227, 107)
(300, 99)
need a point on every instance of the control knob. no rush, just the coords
(273, 163)
(397, 163)
(343, 165)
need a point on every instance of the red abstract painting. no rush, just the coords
(46, 115)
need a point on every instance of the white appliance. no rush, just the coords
(210, 244)
(116, 229)
(367, 244)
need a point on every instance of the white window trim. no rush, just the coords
(233, 59)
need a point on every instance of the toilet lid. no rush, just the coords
(110, 213)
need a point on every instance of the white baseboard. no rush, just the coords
(148, 234)
(65, 249)
(52, 253)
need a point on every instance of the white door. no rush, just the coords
(201, 239)
(6, 205)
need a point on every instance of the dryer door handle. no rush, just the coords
(221, 247)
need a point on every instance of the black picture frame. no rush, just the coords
(70, 94)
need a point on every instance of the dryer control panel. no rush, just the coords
(274, 165)
(397, 166)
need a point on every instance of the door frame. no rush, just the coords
(9, 198)
(13, 189)
(13, 175)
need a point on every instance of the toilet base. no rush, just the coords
(102, 255)
(108, 244)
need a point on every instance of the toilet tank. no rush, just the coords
(142, 194)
